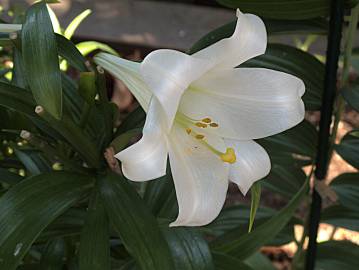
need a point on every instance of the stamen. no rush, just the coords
(229, 156)
(201, 125)
(213, 124)
(188, 130)
(207, 120)
(199, 136)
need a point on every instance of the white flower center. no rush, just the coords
(188, 123)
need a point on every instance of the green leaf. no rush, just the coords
(341, 216)
(33, 161)
(223, 261)
(160, 196)
(351, 95)
(285, 180)
(348, 148)
(134, 119)
(244, 246)
(123, 140)
(281, 9)
(255, 200)
(70, 223)
(68, 51)
(95, 240)
(18, 72)
(53, 255)
(38, 201)
(137, 228)
(41, 62)
(71, 28)
(16, 99)
(87, 87)
(334, 255)
(300, 140)
(9, 177)
(87, 47)
(233, 221)
(75, 136)
(346, 186)
(189, 250)
(259, 261)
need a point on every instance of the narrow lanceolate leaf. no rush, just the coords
(260, 261)
(346, 186)
(17, 99)
(135, 119)
(234, 221)
(255, 199)
(8, 177)
(71, 28)
(348, 148)
(284, 179)
(68, 51)
(283, 9)
(41, 62)
(300, 140)
(87, 87)
(334, 255)
(160, 196)
(87, 47)
(351, 95)
(189, 250)
(95, 240)
(341, 216)
(135, 224)
(52, 257)
(223, 261)
(244, 246)
(38, 201)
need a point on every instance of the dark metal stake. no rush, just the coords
(330, 85)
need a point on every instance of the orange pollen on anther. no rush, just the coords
(207, 120)
(201, 125)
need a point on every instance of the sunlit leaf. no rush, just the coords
(41, 62)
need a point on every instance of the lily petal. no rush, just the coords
(247, 103)
(248, 40)
(147, 159)
(252, 163)
(129, 73)
(200, 178)
(168, 73)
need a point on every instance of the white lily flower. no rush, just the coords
(9, 28)
(204, 113)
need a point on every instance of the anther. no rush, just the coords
(206, 120)
(201, 125)
(188, 130)
(199, 136)
(213, 124)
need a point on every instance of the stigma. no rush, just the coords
(229, 157)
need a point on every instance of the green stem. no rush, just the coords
(345, 74)
(298, 259)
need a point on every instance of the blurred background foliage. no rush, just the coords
(62, 207)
